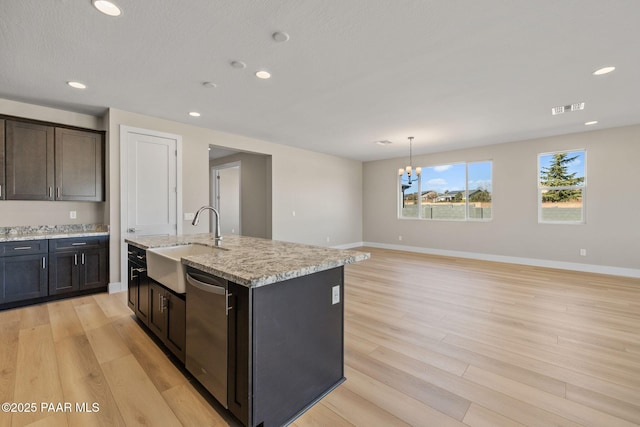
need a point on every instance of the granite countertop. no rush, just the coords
(255, 262)
(37, 232)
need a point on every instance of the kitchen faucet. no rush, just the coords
(217, 235)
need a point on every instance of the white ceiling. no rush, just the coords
(451, 73)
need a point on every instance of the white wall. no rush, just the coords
(611, 234)
(18, 212)
(324, 191)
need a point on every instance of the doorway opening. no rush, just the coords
(240, 188)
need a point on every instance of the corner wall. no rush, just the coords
(611, 234)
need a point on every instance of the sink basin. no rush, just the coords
(164, 264)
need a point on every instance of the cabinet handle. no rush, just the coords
(228, 306)
(75, 258)
(51, 192)
(79, 244)
(161, 302)
(82, 259)
(0, 190)
(57, 192)
(22, 248)
(44, 266)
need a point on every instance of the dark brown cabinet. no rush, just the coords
(167, 317)
(23, 270)
(138, 284)
(29, 151)
(77, 264)
(162, 310)
(44, 162)
(79, 160)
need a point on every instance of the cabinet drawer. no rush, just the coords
(77, 243)
(25, 247)
(136, 254)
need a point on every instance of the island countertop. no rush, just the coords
(254, 262)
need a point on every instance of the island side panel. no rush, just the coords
(298, 345)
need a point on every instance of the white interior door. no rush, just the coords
(227, 197)
(152, 185)
(151, 201)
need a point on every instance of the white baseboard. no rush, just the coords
(575, 266)
(117, 287)
(349, 245)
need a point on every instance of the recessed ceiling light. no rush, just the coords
(593, 122)
(77, 85)
(194, 114)
(604, 70)
(262, 74)
(238, 64)
(107, 7)
(209, 85)
(280, 37)
(383, 142)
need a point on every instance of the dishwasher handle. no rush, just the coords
(206, 287)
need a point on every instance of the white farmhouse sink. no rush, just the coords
(164, 264)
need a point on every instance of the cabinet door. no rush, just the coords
(3, 187)
(79, 159)
(176, 325)
(132, 288)
(63, 272)
(29, 150)
(142, 309)
(157, 308)
(23, 277)
(93, 268)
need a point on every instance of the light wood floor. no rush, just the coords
(429, 341)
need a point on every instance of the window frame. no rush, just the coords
(582, 188)
(467, 218)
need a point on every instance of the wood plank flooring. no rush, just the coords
(429, 341)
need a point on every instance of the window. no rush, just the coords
(454, 192)
(561, 187)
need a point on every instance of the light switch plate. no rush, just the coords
(188, 216)
(335, 294)
(72, 215)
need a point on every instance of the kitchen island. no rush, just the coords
(284, 319)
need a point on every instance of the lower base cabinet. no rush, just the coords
(167, 317)
(35, 271)
(163, 311)
(77, 264)
(23, 277)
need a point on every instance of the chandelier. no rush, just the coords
(411, 175)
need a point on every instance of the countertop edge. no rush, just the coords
(51, 236)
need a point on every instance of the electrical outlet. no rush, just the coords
(400, 238)
(72, 215)
(335, 294)
(188, 216)
(583, 252)
(293, 213)
(328, 239)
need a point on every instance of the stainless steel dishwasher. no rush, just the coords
(206, 348)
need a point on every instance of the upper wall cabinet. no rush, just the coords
(3, 187)
(29, 161)
(53, 163)
(79, 165)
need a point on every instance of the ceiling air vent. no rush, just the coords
(565, 108)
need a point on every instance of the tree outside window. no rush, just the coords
(561, 187)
